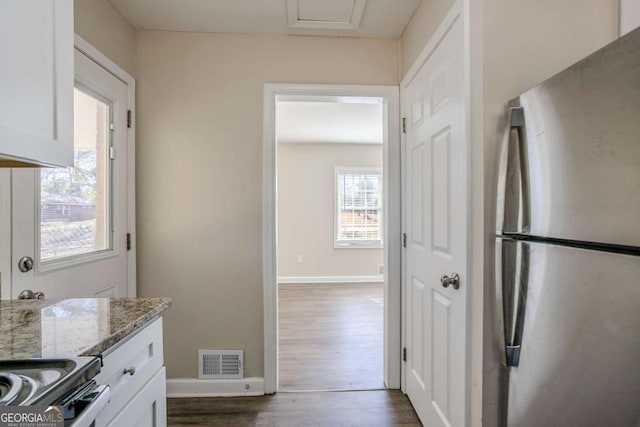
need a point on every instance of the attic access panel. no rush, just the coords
(326, 14)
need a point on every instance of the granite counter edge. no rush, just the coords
(130, 329)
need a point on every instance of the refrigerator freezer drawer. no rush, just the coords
(580, 339)
(574, 144)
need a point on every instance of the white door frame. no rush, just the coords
(99, 58)
(475, 215)
(392, 238)
(5, 180)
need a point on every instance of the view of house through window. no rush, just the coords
(358, 207)
(74, 202)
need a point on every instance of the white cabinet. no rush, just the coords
(36, 82)
(149, 408)
(134, 371)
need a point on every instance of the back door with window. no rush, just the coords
(69, 225)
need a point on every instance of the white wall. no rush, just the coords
(306, 210)
(199, 174)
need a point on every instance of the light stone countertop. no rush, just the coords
(71, 327)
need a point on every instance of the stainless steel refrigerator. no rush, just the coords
(568, 245)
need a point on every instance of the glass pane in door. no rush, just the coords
(74, 202)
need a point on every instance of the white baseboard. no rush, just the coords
(193, 387)
(332, 279)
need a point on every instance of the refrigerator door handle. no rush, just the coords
(517, 123)
(500, 308)
(512, 277)
(513, 197)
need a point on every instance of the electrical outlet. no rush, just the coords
(380, 269)
(300, 259)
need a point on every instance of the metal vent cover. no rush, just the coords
(220, 364)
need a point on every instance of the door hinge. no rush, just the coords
(112, 152)
(404, 125)
(404, 240)
(128, 241)
(404, 354)
(129, 118)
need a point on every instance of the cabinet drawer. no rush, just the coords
(148, 408)
(142, 355)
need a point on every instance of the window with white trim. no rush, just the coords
(358, 207)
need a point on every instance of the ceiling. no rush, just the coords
(330, 120)
(355, 18)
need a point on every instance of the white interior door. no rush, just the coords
(69, 225)
(436, 227)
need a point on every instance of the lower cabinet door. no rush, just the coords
(142, 353)
(148, 408)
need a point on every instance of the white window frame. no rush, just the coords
(110, 251)
(355, 244)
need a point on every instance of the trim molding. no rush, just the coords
(101, 59)
(391, 216)
(331, 279)
(193, 387)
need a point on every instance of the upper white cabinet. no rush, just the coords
(36, 82)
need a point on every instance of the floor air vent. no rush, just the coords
(220, 364)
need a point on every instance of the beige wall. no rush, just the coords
(525, 43)
(100, 23)
(421, 27)
(199, 143)
(306, 210)
(199, 173)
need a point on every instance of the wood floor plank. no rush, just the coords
(347, 408)
(330, 339)
(330, 336)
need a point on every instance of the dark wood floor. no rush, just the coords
(347, 408)
(330, 336)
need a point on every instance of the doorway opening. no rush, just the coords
(330, 243)
(331, 238)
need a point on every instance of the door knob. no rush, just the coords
(26, 294)
(453, 281)
(29, 294)
(25, 264)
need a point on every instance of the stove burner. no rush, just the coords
(10, 385)
(43, 381)
(15, 389)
